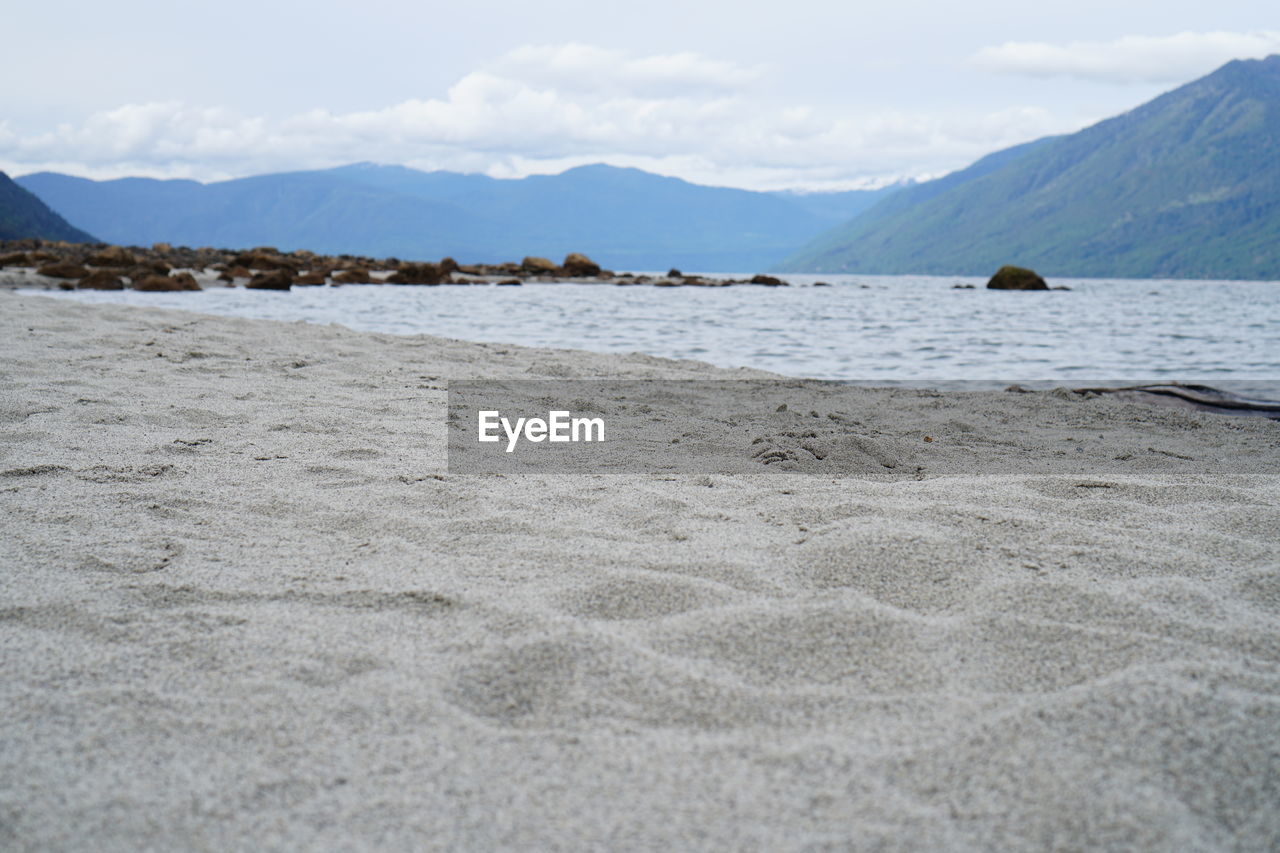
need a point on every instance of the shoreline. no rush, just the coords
(240, 267)
(164, 268)
(579, 312)
(246, 602)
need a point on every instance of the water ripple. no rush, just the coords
(902, 327)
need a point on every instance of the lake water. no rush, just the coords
(862, 327)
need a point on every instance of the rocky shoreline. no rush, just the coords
(100, 266)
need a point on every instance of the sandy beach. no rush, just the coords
(245, 605)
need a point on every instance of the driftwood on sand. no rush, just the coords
(1202, 397)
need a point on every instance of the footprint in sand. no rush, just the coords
(359, 453)
(131, 558)
(639, 598)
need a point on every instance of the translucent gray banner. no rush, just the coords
(850, 429)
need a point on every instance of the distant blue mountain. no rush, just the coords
(622, 218)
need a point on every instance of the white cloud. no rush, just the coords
(542, 109)
(1132, 59)
(583, 68)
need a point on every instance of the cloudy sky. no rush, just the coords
(768, 95)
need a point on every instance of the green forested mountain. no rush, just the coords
(24, 215)
(1185, 186)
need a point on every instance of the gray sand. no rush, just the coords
(241, 607)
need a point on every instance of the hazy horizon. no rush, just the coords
(869, 185)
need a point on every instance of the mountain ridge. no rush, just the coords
(624, 218)
(1184, 186)
(23, 215)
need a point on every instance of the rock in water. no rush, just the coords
(143, 270)
(279, 279)
(166, 283)
(113, 256)
(355, 275)
(1016, 278)
(265, 258)
(185, 280)
(63, 269)
(101, 280)
(580, 266)
(416, 274)
(536, 265)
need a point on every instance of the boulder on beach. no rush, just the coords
(767, 281)
(165, 283)
(311, 279)
(416, 274)
(1016, 278)
(265, 258)
(113, 256)
(146, 268)
(15, 259)
(185, 280)
(448, 265)
(537, 266)
(579, 265)
(63, 269)
(101, 280)
(355, 275)
(280, 279)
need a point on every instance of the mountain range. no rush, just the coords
(1185, 186)
(622, 218)
(22, 215)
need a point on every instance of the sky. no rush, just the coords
(762, 95)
